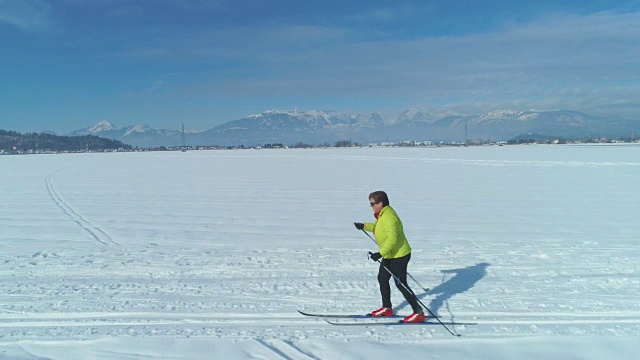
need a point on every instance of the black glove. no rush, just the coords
(375, 256)
(359, 226)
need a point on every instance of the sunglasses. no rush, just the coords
(372, 203)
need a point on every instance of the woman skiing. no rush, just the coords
(395, 252)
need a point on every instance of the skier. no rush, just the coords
(395, 252)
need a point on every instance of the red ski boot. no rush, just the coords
(383, 311)
(414, 318)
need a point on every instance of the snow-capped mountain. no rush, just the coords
(296, 121)
(508, 124)
(291, 126)
(138, 129)
(414, 116)
(313, 119)
(101, 127)
(317, 127)
(136, 135)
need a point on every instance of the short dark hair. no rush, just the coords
(380, 196)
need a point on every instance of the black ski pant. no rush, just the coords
(398, 267)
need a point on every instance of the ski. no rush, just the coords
(348, 316)
(355, 316)
(395, 323)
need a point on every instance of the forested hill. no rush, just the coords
(11, 141)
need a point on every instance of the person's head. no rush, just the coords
(378, 200)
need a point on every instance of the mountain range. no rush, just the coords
(317, 127)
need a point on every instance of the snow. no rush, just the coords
(529, 116)
(428, 115)
(499, 114)
(99, 127)
(317, 117)
(140, 128)
(208, 254)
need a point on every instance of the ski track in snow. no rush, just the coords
(286, 350)
(98, 234)
(231, 247)
(182, 292)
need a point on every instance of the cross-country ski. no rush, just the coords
(351, 316)
(400, 322)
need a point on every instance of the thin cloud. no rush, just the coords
(27, 15)
(380, 14)
(569, 42)
(244, 44)
(560, 61)
(537, 61)
(195, 5)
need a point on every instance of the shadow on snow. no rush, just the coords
(462, 280)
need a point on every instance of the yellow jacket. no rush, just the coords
(389, 234)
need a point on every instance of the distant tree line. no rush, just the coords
(558, 140)
(15, 141)
(341, 143)
(344, 143)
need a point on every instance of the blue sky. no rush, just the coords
(67, 64)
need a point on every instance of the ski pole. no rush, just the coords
(409, 290)
(412, 278)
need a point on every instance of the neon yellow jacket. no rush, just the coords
(389, 234)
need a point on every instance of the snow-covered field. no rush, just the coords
(208, 254)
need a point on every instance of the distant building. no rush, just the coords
(273, 146)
